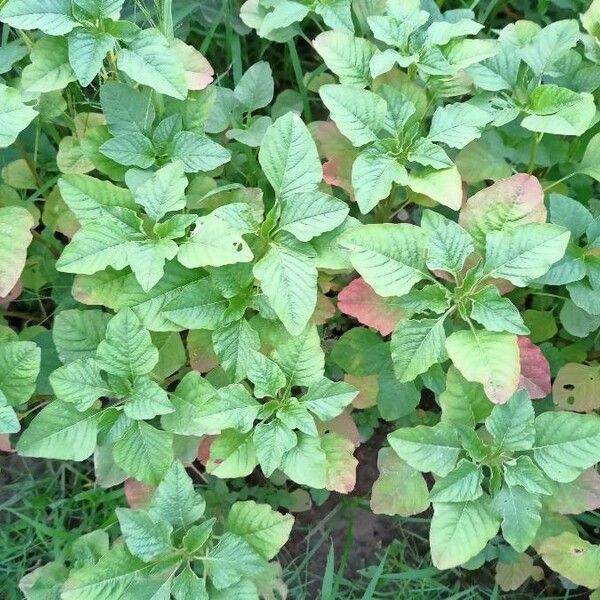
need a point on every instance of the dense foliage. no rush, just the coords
(194, 267)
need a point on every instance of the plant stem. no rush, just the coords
(300, 79)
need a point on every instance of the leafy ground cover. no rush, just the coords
(299, 299)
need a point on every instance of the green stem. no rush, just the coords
(535, 142)
(559, 181)
(166, 19)
(300, 79)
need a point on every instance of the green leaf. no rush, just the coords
(459, 531)
(289, 280)
(347, 56)
(460, 485)
(147, 260)
(9, 422)
(416, 346)
(434, 449)
(231, 407)
(150, 61)
(255, 88)
(163, 191)
(495, 312)
(444, 186)
(373, 174)
(77, 333)
(19, 369)
(101, 9)
(523, 472)
(390, 258)
(189, 395)
(50, 16)
(399, 489)
(198, 306)
(296, 416)
(234, 344)
(144, 452)
(301, 357)
(231, 559)
(175, 500)
(187, 584)
(91, 199)
(327, 399)
(358, 114)
(146, 400)
(428, 154)
(288, 157)
(145, 538)
(458, 124)
(272, 440)
(49, 69)
(117, 572)
(463, 402)
(127, 349)
(15, 223)
(309, 214)
(60, 431)
(126, 109)
(214, 243)
(566, 444)
(97, 246)
(80, 383)
(560, 111)
(308, 451)
(263, 528)
(232, 454)
(520, 512)
(14, 115)
(132, 150)
(449, 245)
(525, 253)
(266, 376)
(198, 152)
(87, 50)
(550, 44)
(489, 358)
(511, 424)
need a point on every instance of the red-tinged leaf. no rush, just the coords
(330, 142)
(337, 171)
(535, 370)
(5, 445)
(344, 425)
(324, 310)
(368, 388)
(577, 496)
(358, 300)
(198, 72)
(204, 448)
(12, 295)
(137, 494)
(200, 350)
(341, 464)
(504, 205)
